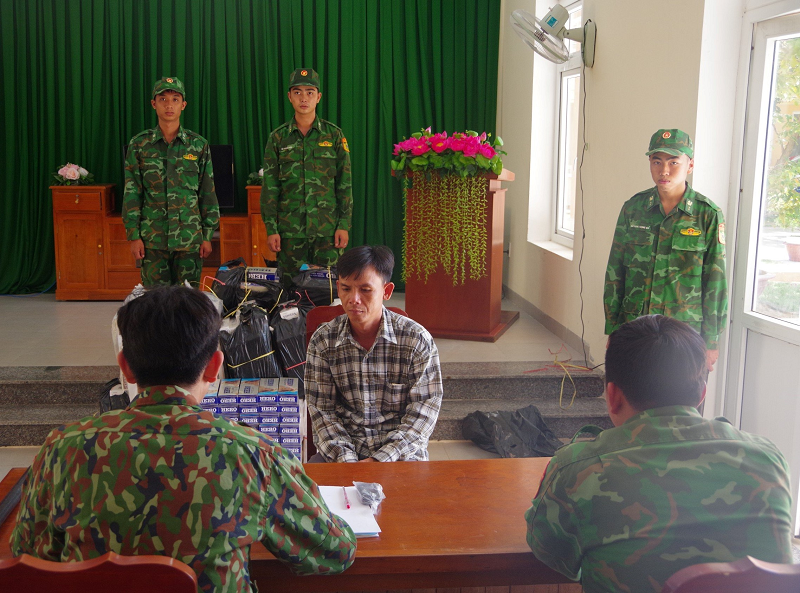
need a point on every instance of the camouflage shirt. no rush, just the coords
(307, 190)
(670, 264)
(665, 490)
(163, 477)
(169, 201)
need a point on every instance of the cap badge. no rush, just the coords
(666, 135)
(303, 72)
(169, 80)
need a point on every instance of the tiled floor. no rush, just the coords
(39, 331)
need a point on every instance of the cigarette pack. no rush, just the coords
(268, 386)
(249, 386)
(288, 385)
(229, 387)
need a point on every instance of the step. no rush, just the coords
(29, 425)
(53, 385)
(563, 421)
(537, 381)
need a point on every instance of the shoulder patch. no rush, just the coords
(721, 233)
(344, 144)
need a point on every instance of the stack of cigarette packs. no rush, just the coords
(268, 405)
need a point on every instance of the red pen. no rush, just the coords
(346, 500)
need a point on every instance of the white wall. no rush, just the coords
(653, 62)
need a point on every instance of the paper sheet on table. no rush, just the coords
(359, 516)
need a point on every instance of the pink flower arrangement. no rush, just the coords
(462, 153)
(71, 174)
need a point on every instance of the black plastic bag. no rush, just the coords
(247, 344)
(229, 276)
(263, 285)
(289, 333)
(316, 286)
(521, 433)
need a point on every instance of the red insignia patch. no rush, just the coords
(666, 135)
(303, 72)
(169, 80)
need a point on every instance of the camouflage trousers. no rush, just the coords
(312, 250)
(160, 267)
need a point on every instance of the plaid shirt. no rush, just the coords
(381, 403)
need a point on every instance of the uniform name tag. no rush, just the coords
(640, 226)
(326, 143)
(190, 157)
(691, 232)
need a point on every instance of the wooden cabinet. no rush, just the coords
(260, 251)
(93, 257)
(78, 215)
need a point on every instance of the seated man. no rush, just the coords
(373, 383)
(166, 477)
(665, 488)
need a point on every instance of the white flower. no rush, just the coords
(83, 172)
(261, 172)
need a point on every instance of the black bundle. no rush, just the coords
(289, 333)
(247, 344)
(316, 286)
(230, 276)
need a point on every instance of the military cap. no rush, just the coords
(304, 77)
(168, 83)
(675, 142)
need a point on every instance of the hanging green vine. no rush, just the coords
(445, 221)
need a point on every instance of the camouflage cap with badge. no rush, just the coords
(674, 142)
(304, 77)
(168, 83)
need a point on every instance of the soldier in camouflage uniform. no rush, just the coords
(306, 197)
(169, 478)
(668, 254)
(169, 207)
(665, 488)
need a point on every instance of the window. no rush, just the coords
(568, 103)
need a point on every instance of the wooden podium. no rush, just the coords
(469, 311)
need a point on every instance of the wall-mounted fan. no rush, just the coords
(546, 36)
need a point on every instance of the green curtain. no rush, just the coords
(76, 77)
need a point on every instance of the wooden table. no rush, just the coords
(444, 524)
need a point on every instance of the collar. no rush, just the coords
(385, 331)
(686, 204)
(159, 135)
(161, 394)
(664, 411)
(315, 125)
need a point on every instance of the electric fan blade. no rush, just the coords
(530, 30)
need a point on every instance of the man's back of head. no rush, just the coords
(168, 335)
(657, 361)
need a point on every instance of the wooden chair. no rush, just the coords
(316, 317)
(747, 575)
(110, 573)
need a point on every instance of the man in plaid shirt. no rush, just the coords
(373, 383)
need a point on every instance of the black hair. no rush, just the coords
(657, 361)
(355, 261)
(169, 335)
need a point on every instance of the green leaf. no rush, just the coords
(482, 161)
(498, 141)
(497, 167)
(416, 135)
(420, 160)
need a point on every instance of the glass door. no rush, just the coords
(763, 376)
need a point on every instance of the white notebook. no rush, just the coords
(359, 516)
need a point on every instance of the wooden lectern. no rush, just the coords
(469, 311)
